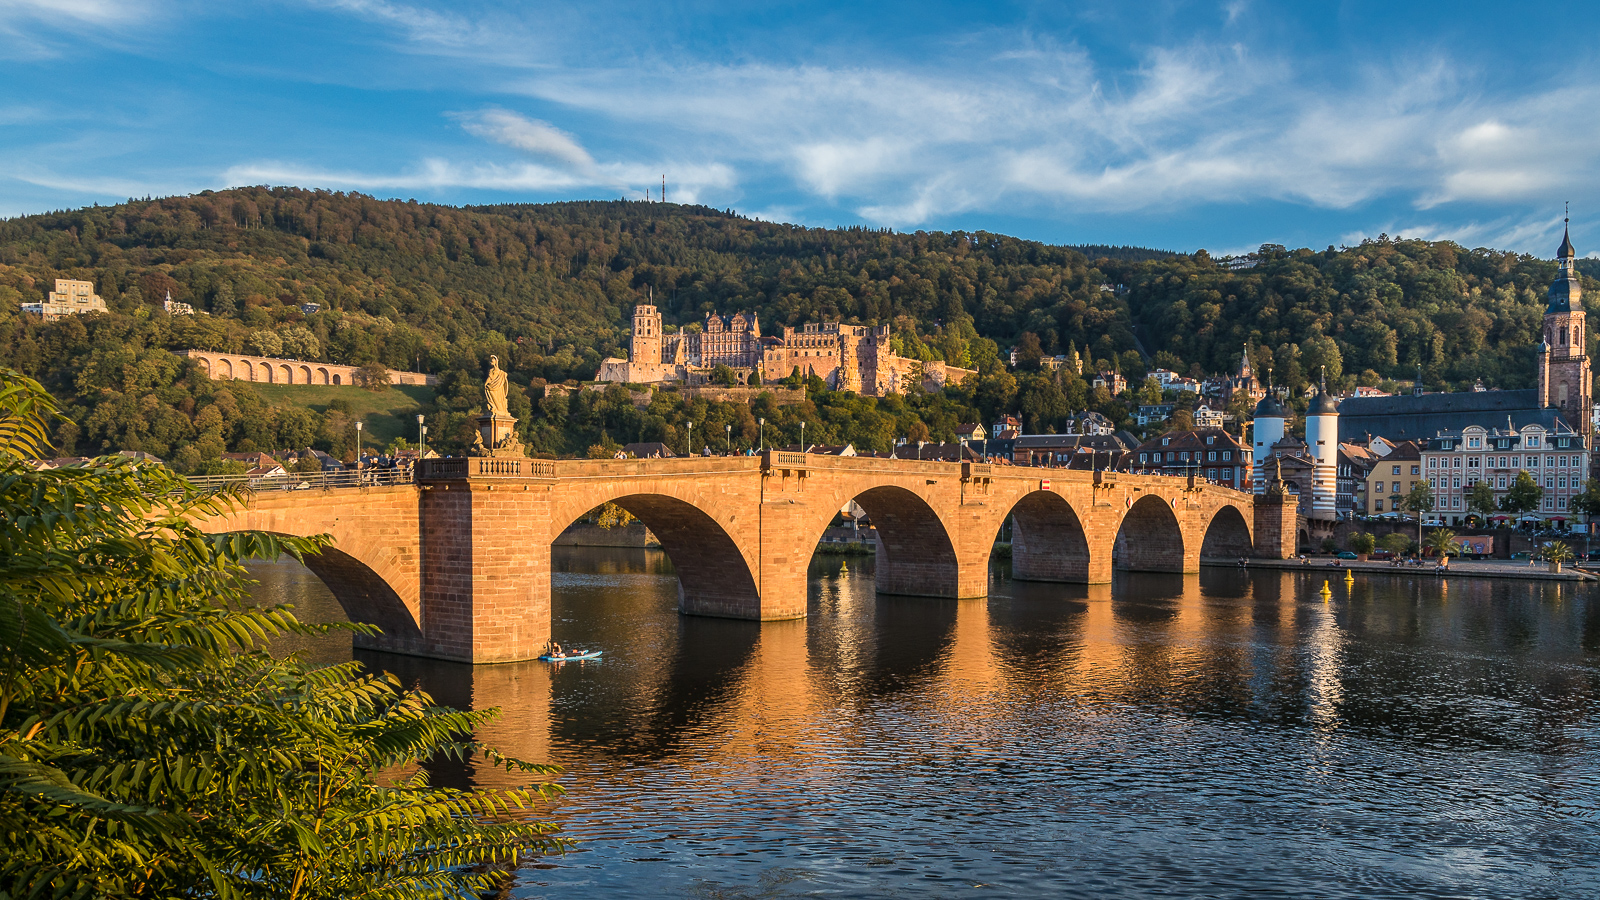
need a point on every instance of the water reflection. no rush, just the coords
(1186, 735)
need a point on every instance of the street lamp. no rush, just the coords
(691, 438)
(763, 424)
(802, 436)
(729, 430)
(422, 435)
(358, 444)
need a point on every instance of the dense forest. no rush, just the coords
(549, 287)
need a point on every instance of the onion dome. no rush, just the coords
(1565, 251)
(1323, 404)
(1269, 408)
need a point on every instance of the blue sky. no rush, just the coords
(1175, 124)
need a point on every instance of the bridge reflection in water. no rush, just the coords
(1192, 735)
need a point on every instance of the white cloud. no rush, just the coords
(689, 185)
(531, 136)
(1538, 235)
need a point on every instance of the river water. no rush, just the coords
(1187, 736)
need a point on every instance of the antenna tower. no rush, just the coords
(663, 187)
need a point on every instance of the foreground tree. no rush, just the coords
(150, 747)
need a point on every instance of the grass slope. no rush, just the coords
(385, 415)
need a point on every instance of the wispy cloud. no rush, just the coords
(540, 140)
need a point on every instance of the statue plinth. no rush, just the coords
(497, 436)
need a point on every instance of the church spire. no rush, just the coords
(1565, 251)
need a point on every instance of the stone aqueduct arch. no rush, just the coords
(458, 567)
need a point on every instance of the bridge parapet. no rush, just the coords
(457, 468)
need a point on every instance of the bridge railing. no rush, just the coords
(318, 481)
(486, 467)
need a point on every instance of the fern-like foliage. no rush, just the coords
(151, 747)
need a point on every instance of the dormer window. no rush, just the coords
(1533, 440)
(1472, 443)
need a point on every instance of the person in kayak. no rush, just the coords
(556, 651)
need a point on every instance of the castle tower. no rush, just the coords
(646, 350)
(1322, 443)
(1269, 425)
(1565, 381)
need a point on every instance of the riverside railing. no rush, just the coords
(317, 481)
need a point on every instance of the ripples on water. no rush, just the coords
(1192, 736)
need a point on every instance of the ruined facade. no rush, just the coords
(848, 357)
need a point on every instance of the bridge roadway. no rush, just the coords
(457, 565)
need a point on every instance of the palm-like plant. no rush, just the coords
(1557, 552)
(1442, 541)
(149, 746)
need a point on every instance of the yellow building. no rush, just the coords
(1392, 477)
(70, 298)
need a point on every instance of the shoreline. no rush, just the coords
(1460, 569)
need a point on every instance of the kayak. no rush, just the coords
(570, 657)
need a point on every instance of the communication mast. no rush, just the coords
(663, 187)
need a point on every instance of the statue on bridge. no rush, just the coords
(494, 389)
(497, 430)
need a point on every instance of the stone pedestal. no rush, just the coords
(497, 436)
(1277, 519)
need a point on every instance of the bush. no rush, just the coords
(151, 747)
(1362, 542)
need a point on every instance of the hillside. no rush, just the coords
(548, 288)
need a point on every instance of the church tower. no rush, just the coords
(1565, 381)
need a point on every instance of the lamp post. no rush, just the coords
(358, 444)
(729, 430)
(802, 436)
(422, 437)
(763, 423)
(691, 438)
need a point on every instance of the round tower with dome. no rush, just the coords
(1269, 422)
(1322, 445)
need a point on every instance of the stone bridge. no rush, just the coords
(457, 566)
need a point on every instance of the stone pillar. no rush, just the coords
(485, 561)
(1276, 520)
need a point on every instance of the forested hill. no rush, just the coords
(549, 287)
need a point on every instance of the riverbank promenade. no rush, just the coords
(1459, 568)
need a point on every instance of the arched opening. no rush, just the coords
(335, 379)
(1150, 539)
(305, 374)
(1047, 540)
(1227, 537)
(205, 365)
(322, 376)
(227, 368)
(914, 556)
(713, 578)
(287, 373)
(366, 597)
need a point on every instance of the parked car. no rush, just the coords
(1380, 554)
(1521, 554)
(1346, 554)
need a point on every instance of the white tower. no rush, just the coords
(1322, 443)
(1268, 421)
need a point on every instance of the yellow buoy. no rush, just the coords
(1349, 577)
(1326, 591)
(844, 567)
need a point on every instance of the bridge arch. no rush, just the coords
(1227, 535)
(226, 367)
(305, 374)
(1048, 540)
(366, 597)
(915, 554)
(1150, 538)
(287, 374)
(715, 577)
